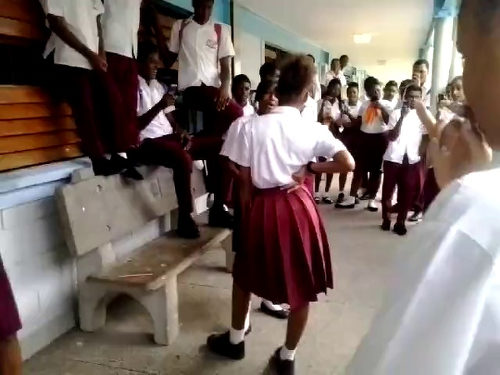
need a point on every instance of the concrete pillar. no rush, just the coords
(443, 56)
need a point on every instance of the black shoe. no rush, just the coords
(400, 229)
(104, 167)
(416, 217)
(282, 367)
(220, 344)
(365, 197)
(278, 314)
(327, 200)
(132, 174)
(386, 226)
(340, 198)
(218, 217)
(187, 228)
(126, 167)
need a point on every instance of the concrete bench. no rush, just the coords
(96, 212)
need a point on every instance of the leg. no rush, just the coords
(356, 181)
(317, 182)
(240, 306)
(329, 179)
(431, 188)
(296, 325)
(391, 171)
(10, 356)
(407, 186)
(342, 181)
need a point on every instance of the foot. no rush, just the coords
(317, 200)
(372, 206)
(416, 217)
(340, 198)
(327, 200)
(187, 228)
(278, 314)
(282, 367)
(220, 344)
(365, 197)
(219, 217)
(400, 229)
(349, 202)
(386, 226)
(132, 174)
(104, 167)
(126, 167)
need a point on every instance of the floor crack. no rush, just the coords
(115, 367)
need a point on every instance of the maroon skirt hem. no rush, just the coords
(286, 257)
(10, 322)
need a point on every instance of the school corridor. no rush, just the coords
(362, 255)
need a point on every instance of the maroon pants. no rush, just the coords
(203, 99)
(419, 197)
(431, 188)
(405, 177)
(9, 316)
(168, 152)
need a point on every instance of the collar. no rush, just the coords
(142, 81)
(286, 110)
(189, 20)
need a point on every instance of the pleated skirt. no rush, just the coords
(286, 256)
(9, 316)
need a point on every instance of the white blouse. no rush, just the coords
(277, 145)
(377, 125)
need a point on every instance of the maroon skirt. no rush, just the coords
(9, 317)
(286, 258)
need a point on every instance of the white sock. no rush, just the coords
(286, 354)
(272, 306)
(247, 319)
(236, 335)
(123, 154)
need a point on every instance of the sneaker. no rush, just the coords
(340, 198)
(278, 314)
(280, 366)
(372, 206)
(416, 217)
(220, 344)
(400, 229)
(327, 200)
(386, 226)
(349, 202)
(218, 217)
(187, 228)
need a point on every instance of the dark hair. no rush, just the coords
(352, 85)
(371, 82)
(413, 87)
(145, 50)
(266, 69)
(334, 59)
(297, 74)
(344, 57)
(333, 82)
(195, 2)
(455, 80)
(422, 62)
(239, 79)
(392, 83)
(312, 57)
(263, 88)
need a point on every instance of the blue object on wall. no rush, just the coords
(445, 8)
(222, 10)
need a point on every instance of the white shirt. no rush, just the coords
(199, 53)
(120, 24)
(354, 109)
(310, 111)
(331, 75)
(442, 316)
(149, 95)
(81, 18)
(277, 145)
(348, 72)
(377, 125)
(409, 138)
(233, 137)
(248, 110)
(331, 109)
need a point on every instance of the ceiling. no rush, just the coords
(399, 27)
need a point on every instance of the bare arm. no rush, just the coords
(396, 131)
(102, 51)
(343, 162)
(225, 78)
(427, 119)
(145, 119)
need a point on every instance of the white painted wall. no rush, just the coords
(249, 55)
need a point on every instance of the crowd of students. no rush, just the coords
(262, 157)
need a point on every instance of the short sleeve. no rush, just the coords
(99, 6)
(326, 144)
(54, 7)
(226, 48)
(394, 118)
(174, 44)
(363, 108)
(236, 144)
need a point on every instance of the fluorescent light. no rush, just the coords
(362, 38)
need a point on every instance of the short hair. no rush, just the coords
(241, 78)
(145, 50)
(392, 83)
(344, 57)
(413, 87)
(422, 62)
(352, 85)
(266, 69)
(334, 81)
(371, 82)
(297, 74)
(263, 88)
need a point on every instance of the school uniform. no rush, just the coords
(200, 48)
(331, 75)
(248, 110)
(442, 314)
(120, 25)
(402, 165)
(98, 121)
(160, 146)
(287, 257)
(10, 322)
(310, 110)
(350, 135)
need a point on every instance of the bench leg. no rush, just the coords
(227, 245)
(162, 305)
(92, 307)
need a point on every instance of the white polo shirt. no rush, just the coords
(277, 145)
(374, 125)
(81, 18)
(310, 111)
(199, 53)
(409, 139)
(149, 95)
(120, 24)
(248, 110)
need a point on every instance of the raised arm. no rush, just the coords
(427, 119)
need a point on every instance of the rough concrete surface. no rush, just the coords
(362, 255)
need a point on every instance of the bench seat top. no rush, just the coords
(150, 266)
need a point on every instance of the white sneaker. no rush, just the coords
(372, 206)
(348, 202)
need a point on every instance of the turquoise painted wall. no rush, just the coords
(222, 11)
(258, 26)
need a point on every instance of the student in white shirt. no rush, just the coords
(201, 45)
(442, 315)
(421, 77)
(284, 226)
(347, 70)
(335, 72)
(241, 93)
(391, 94)
(373, 117)
(402, 159)
(165, 143)
(80, 66)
